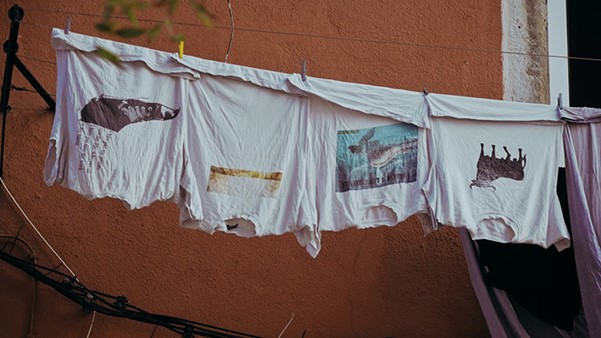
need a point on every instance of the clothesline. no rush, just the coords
(36, 59)
(382, 144)
(329, 37)
(27, 90)
(489, 166)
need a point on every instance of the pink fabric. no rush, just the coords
(582, 143)
(500, 317)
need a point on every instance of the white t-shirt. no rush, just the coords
(246, 161)
(365, 169)
(473, 108)
(117, 131)
(398, 104)
(497, 179)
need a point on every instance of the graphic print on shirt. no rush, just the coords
(116, 113)
(491, 168)
(376, 157)
(93, 144)
(244, 183)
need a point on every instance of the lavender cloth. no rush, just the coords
(497, 309)
(580, 115)
(582, 141)
(504, 318)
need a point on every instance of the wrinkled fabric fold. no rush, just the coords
(583, 174)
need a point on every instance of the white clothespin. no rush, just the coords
(304, 70)
(559, 101)
(68, 26)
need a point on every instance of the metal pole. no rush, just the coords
(36, 85)
(15, 13)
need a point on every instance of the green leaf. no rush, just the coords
(132, 17)
(154, 31)
(203, 14)
(170, 4)
(141, 5)
(173, 6)
(106, 26)
(178, 37)
(205, 18)
(168, 25)
(108, 55)
(108, 11)
(130, 32)
(161, 3)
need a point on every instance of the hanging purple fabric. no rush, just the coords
(498, 311)
(582, 141)
(504, 318)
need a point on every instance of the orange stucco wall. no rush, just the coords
(383, 282)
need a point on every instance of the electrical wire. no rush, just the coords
(180, 325)
(91, 324)
(96, 301)
(35, 228)
(116, 306)
(34, 297)
(34, 302)
(229, 45)
(23, 89)
(36, 59)
(22, 241)
(29, 24)
(54, 269)
(342, 38)
(14, 239)
(153, 331)
(60, 11)
(286, 327)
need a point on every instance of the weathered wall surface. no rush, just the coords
(525, 77)
(384, 282)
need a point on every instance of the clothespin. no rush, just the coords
(559, 101)
(68, 281)
(181, 49)
(426, 92)
(68, 25)
(187, 332)
(121, 302)
(87, 305)
(304, 70)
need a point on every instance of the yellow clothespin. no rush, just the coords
(181, 49)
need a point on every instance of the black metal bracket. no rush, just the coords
(11, 46)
